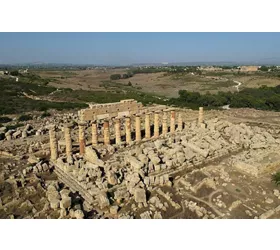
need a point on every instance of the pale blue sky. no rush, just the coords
(127, 48)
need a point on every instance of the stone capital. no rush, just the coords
(82, 123)
(67, 125)
(51, 127)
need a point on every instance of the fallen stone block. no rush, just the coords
(196, 149)
(140, 195)
(79, 214)
(65, 203)
(91, 156)
(54, 203)
(103, 200)
(114, 210)
(135, 164)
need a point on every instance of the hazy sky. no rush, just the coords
(127, 48)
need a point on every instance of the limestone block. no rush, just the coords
(180, 157)
(112, 178)
(145, 215)
(143, 158)
(135, 164)
(157, 215)
(147, 181)
(54, 203)
(154, 159)
(78, 214)
(64, 193)
(114, 210)
(250, 169)
(169, 163)
(140, 195)
(159, 144)
(103, 200)
(91, 156)
(65, 202)
(53, 195)
(196, 149)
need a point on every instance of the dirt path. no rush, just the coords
(42, 98)
(238, 85)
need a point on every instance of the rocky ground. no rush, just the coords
(220, 170)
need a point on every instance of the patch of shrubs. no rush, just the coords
(276, 178)
(2, 136)
(115, 77)
(264, 98)
(5, 119)
(10, 127)
(25, 118)
(45, 114)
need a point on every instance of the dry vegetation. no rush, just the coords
(160, 83)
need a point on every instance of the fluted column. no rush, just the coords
(156, 125)
(137, 128)
(164, 123)
(147, 126)
(53, 143)
(180, 122)
(94, 134)
(68, 140)
(106, 133)
(82, 140)
(200, 115)
(172, 122)
(118, 131)
(128, 129)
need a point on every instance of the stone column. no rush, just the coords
(82, 141)
(68, 140)
(94, 134)
(127, 129)
(200, 115)
(147, 126)
(172, 122)
(164, 123)
(180, 122)
(118, 131)
(53, 143)
(137, 128)
(156, 125)
(106, 133)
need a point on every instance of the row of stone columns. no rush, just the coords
(128, 139)
(106, 131)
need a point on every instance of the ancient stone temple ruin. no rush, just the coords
(127, 156)
(114, 126)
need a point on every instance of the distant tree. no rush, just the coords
(264, 68)
(129, 84)
(115, 77)
(125, 76)
(130, 74)
(14, 73)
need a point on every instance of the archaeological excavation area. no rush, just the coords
(129, 161)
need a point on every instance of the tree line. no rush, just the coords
(264, 98)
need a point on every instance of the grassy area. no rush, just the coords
(13, 100)
(108, 96)
(217, 85)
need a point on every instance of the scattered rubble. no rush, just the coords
(154, 178)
